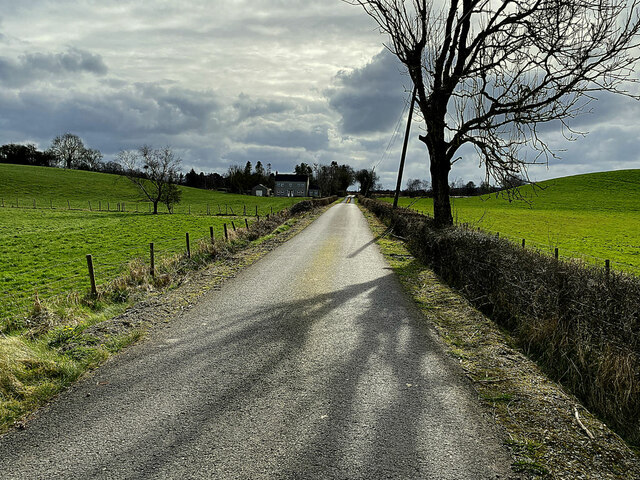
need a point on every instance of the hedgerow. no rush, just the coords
(581, 323)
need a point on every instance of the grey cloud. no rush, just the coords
(34, 66)
(275, 135)
(142, 113)
(371, 98)
(247, 107)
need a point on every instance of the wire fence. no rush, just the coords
(132, 206)
(53, 281)
(37, 276)
(557, 249)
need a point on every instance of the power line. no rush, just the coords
(394, 135)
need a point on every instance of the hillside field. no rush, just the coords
(591, 217)
(44, 248)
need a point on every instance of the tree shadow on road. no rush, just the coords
(345, 384)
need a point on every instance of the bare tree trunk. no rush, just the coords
(155, 207)
(440, 168)
(439, 160)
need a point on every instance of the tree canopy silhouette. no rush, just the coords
(487, 73)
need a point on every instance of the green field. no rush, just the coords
(592, 217)
(44, 248)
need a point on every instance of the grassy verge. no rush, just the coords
(64, 337)
(536, 415)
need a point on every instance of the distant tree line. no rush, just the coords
(332, 179)
(416, 187)
(69, 151)
(66, 151)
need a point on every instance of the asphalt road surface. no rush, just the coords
(309, 364)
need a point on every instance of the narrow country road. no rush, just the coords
(310, 364)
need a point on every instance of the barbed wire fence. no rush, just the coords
(250, 209)
(556, 249)
(53, 282)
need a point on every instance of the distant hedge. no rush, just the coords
(306, 205)
(581, 323)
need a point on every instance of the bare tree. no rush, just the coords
(68, 149)
(488, 72)
(415, 186)
(92, 159)
(154, 172)
(368, 180)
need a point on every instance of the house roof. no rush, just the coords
(291, 177)
(261, 186)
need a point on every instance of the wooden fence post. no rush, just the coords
(271, 210)
(188, 247)
(152, 256)
(245, 209)
(246, 223)
(68, 205)
(226, 233)
(231, 208)
(523, 243)
(607, 268)
(233, 225)
(555, 253)
(92, 276)
(213, 238)
(256, 210)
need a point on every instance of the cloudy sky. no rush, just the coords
(229, 81)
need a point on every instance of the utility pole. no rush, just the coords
(404, 149)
